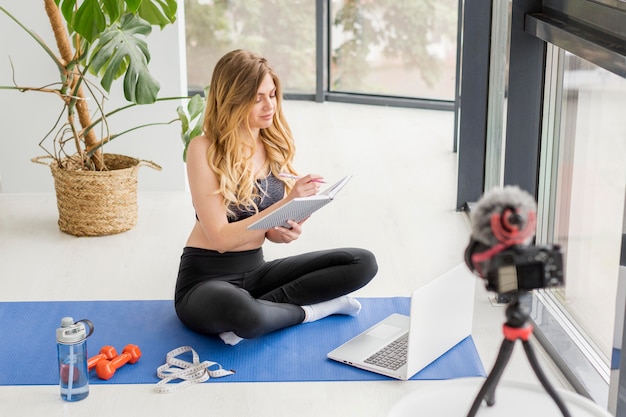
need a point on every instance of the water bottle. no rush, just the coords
(72, 354)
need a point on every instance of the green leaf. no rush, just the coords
(184, 120)
(112, 10)
(158, 12)
(197, 130)
(133, 5)
(196, 106)
(89, 21)
(67, 10)
(122, 50)
(191, 120)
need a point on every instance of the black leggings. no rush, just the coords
(240, 292)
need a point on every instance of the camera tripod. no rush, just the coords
(516, 327)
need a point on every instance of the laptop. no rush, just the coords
(440, 317)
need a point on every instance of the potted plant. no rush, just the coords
(98, 41)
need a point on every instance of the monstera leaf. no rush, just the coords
(89, 18)
(121, 50)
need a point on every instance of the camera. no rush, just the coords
(525, 268)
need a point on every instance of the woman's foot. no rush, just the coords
(342, 305)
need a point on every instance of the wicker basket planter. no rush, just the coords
(98, 203)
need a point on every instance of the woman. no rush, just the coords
(224, 285)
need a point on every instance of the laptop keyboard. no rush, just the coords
(392, 356)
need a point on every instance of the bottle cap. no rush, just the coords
(71, 332)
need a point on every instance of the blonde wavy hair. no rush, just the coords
(232, 95)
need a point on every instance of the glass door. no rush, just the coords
(583, 202)
(591, 180)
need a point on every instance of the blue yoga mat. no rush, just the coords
(28, 345)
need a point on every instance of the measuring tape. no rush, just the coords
(189, 372)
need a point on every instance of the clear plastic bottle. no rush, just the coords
(72, 354)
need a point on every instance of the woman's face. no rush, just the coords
(263, 110)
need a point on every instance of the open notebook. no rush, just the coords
(300, 208)
(400, 346)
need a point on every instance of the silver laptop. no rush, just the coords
(440, 317)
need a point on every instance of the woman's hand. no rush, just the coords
(284, 235)
(303, 187)
(306, 186)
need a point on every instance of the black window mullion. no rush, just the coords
(322, 38)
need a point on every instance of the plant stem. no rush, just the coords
(67, 55)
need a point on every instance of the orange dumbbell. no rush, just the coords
(105, 369)
(106, 352)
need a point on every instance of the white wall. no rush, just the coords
(26, 117)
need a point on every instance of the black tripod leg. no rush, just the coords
(488, 390)
(534, 363)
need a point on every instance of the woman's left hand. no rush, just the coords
(285, 235)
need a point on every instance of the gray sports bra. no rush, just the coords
(271, 190)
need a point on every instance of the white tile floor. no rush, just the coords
(400, 204)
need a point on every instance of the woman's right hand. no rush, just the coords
(305, 186)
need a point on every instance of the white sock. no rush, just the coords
(230, 338)
(341, 305)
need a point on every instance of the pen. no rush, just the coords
(295, 177)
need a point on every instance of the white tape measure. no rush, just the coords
(188, 372)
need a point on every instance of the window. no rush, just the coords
(389, 49)
(591, 187)
(393, 48)
(283, 31)
(582, 192)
